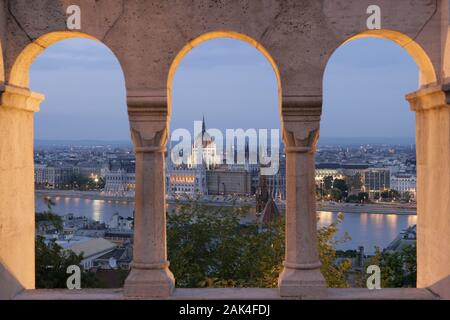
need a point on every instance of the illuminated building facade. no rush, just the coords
(120, 183)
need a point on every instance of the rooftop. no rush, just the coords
(92, 247)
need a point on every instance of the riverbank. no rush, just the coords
(92, 195)
(378, 208)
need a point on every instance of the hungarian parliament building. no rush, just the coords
(203, 174)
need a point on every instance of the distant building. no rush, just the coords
(119, 237)
(351, 169)
(91, 248)
(270, 212)
(120, 183)
(185, 180)
(89, 169)
(321, 174)
(190, 178)
(262, 194)
(117, 258)
(204, 151)
(276, 184)
(117, 222)
(376, 180)
(53, 177)
(70, 221)
(229, 181)
(339, 170)
(404, 183)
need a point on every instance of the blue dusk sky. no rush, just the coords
(229, 82)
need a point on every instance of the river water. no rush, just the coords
(368, 230)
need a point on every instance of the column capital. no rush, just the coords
(20, 98)
(300, 122)
(148, 115)
(430, 97)
(300, 137)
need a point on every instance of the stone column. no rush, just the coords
(301, 276)
(17, 271)
(150, 275)
(432, 108)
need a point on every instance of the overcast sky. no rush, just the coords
(228, 81)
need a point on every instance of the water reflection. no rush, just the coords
(368, 230)
(98, 210)
(325, 218)
(412, 220)
(392, 224)
(97, 207)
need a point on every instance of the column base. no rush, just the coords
(304, 283)
(149, 283)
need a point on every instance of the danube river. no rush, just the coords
(365, 229)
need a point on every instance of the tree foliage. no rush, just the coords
(390, 194)
(52, 262)
(398, 269)
(334, 272)
(209, 247)
(354, 182)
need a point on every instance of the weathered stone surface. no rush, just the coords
(301, 275)
(147, 35)
(150, 38)
(230, 294)
(16, 190)
(433, 203)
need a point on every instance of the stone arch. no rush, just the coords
(446, 57)
(2, 68)
(20, 75)
(427, 73)
(427, 83)
(17, 107)
(216, 35)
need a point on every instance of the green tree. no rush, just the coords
(327, 182)
(334, 273)
(49, 216)
(52, 262)
(363, 197)
(407, 196)
(398, 269)
(390, 194)
(354, 182)
(340, 184)
(94, 184)
(78, 181)
(335, 194)
(353, 198)
(208, 247)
